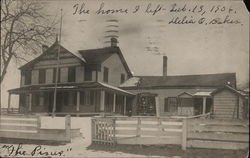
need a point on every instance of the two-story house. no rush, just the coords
(88, 81)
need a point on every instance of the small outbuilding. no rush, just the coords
(229, 103)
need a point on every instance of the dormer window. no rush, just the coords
(105, 74)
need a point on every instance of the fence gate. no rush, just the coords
(103, 130)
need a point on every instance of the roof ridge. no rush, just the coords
(97, 48)
(187, 75)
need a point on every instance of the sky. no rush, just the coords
(144, 38)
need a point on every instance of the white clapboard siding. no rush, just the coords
(79, 74)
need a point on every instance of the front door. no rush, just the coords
(198, 104)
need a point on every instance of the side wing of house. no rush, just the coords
(113, 71)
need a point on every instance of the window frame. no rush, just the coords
(167, 105)
(72, 77)
(122, 78)
(54, 75)
(41, 76)
(27, 77)
(88, 74)
(105, 74)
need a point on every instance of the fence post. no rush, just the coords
(68, 127)
(114, 137)
(92, 130)
(138, 129)
(160, 129)
(184, 134)
(38, 123)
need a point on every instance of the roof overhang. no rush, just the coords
(70, 87)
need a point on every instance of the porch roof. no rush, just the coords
(69, 86)
(202, 94)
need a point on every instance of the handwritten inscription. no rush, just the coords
(37, 151)
(177, 13)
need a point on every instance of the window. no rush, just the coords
(82, 94)
(71, 74)
(90, 97)
(105, 74)
(122, 78)
(88, 74)
(27, 77)
(35, 99)
(42, 75)
(54, 75)
(170, 104)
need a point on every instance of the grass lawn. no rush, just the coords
(170, 151)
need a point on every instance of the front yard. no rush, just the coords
(81, 146)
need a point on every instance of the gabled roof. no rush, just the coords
(97, 56)
(235, 91)
(203, 80)
(51, 48)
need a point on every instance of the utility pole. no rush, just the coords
(57, 68)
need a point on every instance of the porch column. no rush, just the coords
(102, 99)
(30, 101)
(157, 105)
(114, 102)
(9, 102)
(125, 103)
(204, 105)
(78, 101)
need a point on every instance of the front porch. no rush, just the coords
(91, 98)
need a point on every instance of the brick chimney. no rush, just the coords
(44, 47)
(165, 66)
(114, 42)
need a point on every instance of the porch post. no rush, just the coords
(30, 101)
(204, 105)
(102, 100)
(125, 103)
(78, 101)
(157, 106)
(114, 102)
(9, 102)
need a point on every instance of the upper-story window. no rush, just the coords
(105, 74)
(54, 75)
(42, 75)
(88, 74)
(27, 77)
(122, 78)
(72, 74)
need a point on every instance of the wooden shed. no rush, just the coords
(228, 103)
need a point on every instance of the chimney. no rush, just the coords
(114, 42)
(165, 66)
(44, 48)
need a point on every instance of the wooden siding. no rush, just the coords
(79, 74)
(225, 105)
(164, 93)
(116, 68)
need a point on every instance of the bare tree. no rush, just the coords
(24, 29)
